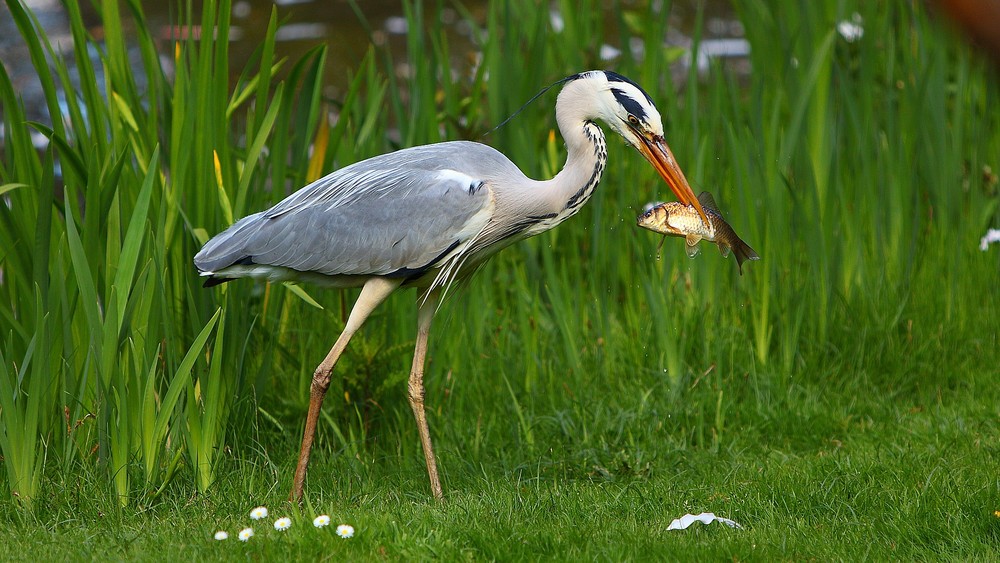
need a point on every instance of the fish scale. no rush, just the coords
(681, 218)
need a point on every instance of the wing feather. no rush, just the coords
(399, 212)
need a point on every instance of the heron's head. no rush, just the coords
(625, 107)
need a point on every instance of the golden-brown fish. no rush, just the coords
(676, 219)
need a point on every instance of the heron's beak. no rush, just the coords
(658, 154)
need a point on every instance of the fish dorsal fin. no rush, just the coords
(707, 201)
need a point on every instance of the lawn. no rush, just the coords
(839, 400)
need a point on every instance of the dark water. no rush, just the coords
(336, 23)
(306, 23)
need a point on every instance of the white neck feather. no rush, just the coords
(586, 154)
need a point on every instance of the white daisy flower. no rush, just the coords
(321, 521)
(220, 535)
(282, 524)
(345, 531)
(258, 513)
(246, 534)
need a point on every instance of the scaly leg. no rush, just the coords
(416, 388)
(373, 293)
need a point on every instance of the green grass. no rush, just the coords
(839, 399)
(812, 473)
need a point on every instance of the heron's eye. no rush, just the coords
(633, 120)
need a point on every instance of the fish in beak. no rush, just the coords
(679, 220)
(656, 151)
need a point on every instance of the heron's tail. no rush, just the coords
(225, 249)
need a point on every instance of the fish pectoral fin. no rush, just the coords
(691, 246)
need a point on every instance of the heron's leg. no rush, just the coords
(416, 387)
(374, 292)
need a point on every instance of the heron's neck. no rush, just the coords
(572, 187)
(587, 154)
(547, 203)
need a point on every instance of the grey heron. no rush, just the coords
(426, 216)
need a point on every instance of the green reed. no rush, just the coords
(124, 328)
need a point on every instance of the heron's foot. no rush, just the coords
(317, 392)
(416, 397)
(436, 485)
(295, 495)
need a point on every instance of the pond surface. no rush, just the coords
(308, 22)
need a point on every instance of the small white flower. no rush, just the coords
(258, 513)
(220, 535)
(246, 534)
(282, 524)
(321, 521)
(851, 30)
(345, 531)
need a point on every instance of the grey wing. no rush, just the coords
(379, 217)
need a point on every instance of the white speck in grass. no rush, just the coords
(321, 521)
(557, 21)
(683, 522)
(246, 534)
(991, 236)
(220, 535)
(282, 524)
(851, 30)
(609, 53)
(258, 513)
(396, 25)
(345, 531)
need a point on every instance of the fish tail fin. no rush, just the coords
(743, 252)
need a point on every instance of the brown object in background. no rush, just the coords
(980, 19)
